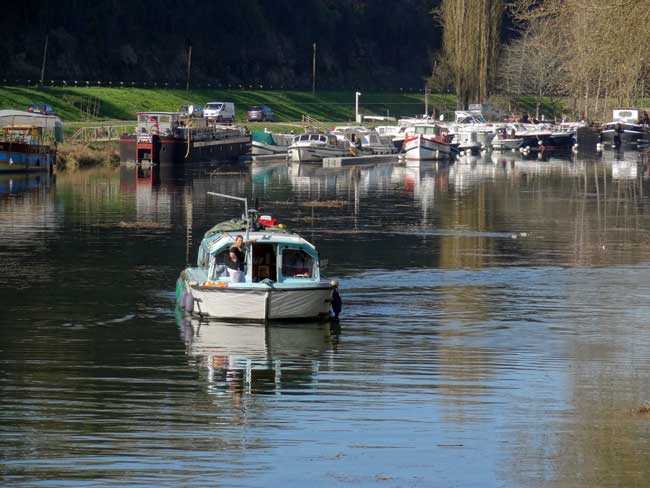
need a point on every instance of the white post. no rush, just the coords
(356, 107)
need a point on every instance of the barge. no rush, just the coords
(176, 138)
(28, 141)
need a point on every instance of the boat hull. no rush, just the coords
(263, 149)
(627, 135)
(170, 150)
(506, 144)
(258, 304)
(419, 148)
(26, 158)
(306, 154)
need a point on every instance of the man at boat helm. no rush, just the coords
(236, 259)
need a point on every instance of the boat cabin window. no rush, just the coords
(264, 262)
(304, 137)
(427, 130)
(296, 263)
(220, 268)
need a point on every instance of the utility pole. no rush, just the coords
(44, 59)
(313, 73)
(189, 65)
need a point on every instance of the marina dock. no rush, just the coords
(339, 162)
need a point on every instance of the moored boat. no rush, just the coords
(625, 129)
(179, 138)
(426, 142)
(28, 141)
(315, 147)
(268, 143)
(280, 277)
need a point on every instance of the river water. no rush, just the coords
(495, 330)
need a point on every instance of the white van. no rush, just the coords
(219, 111)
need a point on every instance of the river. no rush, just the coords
(494, 329)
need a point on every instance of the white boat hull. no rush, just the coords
(263, 149)
(422, 149)
(315, 153)
(261, 303)
(506, 144)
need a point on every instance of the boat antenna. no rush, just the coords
(245, 200)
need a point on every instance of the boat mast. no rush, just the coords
(245, 200)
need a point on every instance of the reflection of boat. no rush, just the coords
(16, 183)
(279, 277)
(28, 141)
(175, 138)
(624, 170)
(256, 355)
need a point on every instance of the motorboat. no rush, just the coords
(373, 143)
(426, 142)
(280, 278)
(543, 137)
(506, 141)
(625, 129)
(267, 143)
(315, 147)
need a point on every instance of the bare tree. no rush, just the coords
(470, 45)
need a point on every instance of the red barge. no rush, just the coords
(175, 138)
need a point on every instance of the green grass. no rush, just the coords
(123, 103)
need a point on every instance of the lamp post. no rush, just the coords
(356, 107)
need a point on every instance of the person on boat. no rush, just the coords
(236, 259)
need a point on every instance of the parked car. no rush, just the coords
(220, 111)
(260, 113)
(192, 109)
(41, 108)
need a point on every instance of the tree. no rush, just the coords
(470, 45)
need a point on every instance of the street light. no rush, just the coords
(356, 107)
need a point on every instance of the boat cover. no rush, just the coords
(263, 136)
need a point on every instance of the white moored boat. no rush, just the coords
(281, 277)
(268, 143)
(426, 142)
(315, 147)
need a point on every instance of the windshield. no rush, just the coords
(214, 106)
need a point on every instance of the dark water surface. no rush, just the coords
(495, 331)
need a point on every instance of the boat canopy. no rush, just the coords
(263, 137)
(19, 120)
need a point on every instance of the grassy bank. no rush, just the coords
(73, 104)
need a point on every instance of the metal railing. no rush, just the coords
(102, 133)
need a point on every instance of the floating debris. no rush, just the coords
(142, 225)
(325, 203)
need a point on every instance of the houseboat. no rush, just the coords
(277, 279)
(28, 141)
(173, 138)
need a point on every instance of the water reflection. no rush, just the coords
(494, 316)
(257, 358)
(12, 183)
